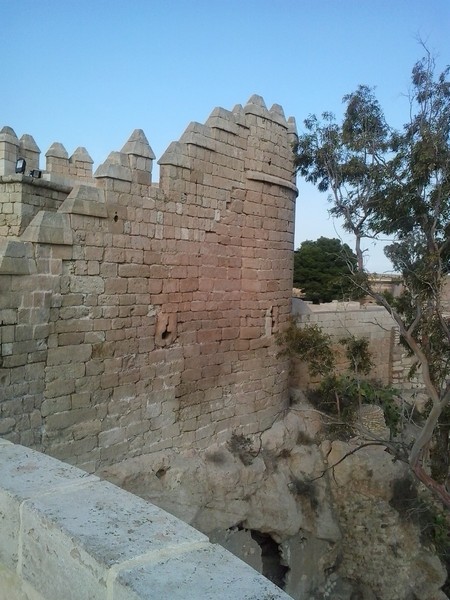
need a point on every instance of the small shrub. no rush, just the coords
(340, 397)
(310, 344)
(336, 430)
(285, 453)
(241, 446)
(358, 354)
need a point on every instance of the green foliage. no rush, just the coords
(310, 344)
(347, 160)
(341, 395)
(396, 184)
(358, 354)
(323, 270)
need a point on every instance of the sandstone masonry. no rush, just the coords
(137, 317)
(391, 362)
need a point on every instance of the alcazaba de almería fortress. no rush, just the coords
(138, 326)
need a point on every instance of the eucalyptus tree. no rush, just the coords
(347, 160)
(397, 184)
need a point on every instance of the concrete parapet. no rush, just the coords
(66, 534)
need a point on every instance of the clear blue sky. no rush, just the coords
(88, 72)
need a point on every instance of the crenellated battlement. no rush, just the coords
(137, 317)
(64, 169)
(136, 157)
(78, 166)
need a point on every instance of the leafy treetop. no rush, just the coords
(397, 183)
(323, 269)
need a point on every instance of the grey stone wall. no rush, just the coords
(391, 363)
(136, 317)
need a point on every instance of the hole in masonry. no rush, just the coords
(116, 218)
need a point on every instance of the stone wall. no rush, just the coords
(391, 363)
(102, 543)
(138, 317)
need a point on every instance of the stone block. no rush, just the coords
(69, 354)
(69, 418)
(108, 527)
(87, 284)
(85, 200)
(25, 473)
(196, 573)
(111, 437)
(49, 228)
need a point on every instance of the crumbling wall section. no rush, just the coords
(138, 317)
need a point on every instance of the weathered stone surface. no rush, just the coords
(167, 295)
(85, 200)
(69, 535)
(57, 150)
(24, 474)
(260, 486)
(115, 166)
(16, 258)
(376, 538)
(49, 228)
(331, 519)
(138, 144)
(172, 578)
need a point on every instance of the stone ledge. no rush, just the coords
(265, 178)
(49, 228)
(85, 200)
(67, 534)
(16, 257)
(39, 183)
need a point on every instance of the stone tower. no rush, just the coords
(137, 317)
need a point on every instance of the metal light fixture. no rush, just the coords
(21, 165)
(36, 173)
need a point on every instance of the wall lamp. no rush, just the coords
(21, 165)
